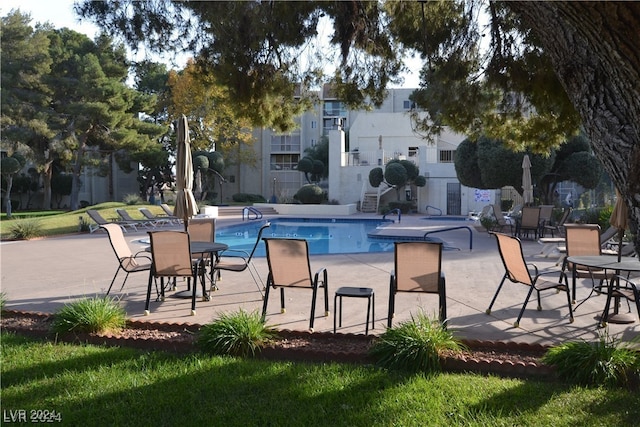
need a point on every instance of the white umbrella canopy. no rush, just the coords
(186, 206)
(619, 219)
(527, 186)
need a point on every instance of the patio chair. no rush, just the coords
(559, 226)
(289, 267)
(529, 222)
(546, 212)
(585, 239)
(501, 221)
(237, 260)
(128, 218)
(517, 270)
(171, 258)
(624, 288)
(99, 220)
(203, 230)
(169, 212)
(127, 260)
(418, 268)
(155, 219)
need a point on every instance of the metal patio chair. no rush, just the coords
(127, 260)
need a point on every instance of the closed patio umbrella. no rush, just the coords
(186, 206)
(527, 186)
(619, 219)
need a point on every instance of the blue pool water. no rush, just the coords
(325, 236)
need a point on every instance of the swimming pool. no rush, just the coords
(325, 236)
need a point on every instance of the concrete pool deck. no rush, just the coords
(42, 275)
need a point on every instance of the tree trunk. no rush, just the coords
(47, 173)
(594, 49)
(9, 178)
(77, 170)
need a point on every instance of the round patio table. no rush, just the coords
(610, 262)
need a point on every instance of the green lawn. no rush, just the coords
(91, 385)
(67, 222)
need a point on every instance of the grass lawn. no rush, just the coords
(68, 222)
(92, 385)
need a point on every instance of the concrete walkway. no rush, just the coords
(43, 275)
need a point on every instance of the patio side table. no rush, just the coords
(352, 292)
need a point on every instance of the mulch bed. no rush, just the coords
(489, 357)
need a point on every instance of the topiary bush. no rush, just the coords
(310, 194)
(248, 198)
(237, 334)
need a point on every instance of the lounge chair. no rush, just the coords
(127, 260)
(128, 218)
(418, 268)
(289, 267)
(156, 220)
(99, 220)
(518, 271)
(171, 258)
(167, 210)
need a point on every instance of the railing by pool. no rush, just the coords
(248, 210)
(392, 211)
(451, 229)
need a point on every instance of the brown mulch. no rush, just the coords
(483, 356)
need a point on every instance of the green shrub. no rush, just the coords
(236, 334)
(310, 194)
(414, 346)
(487, 222)
(604, 362)
(26, 229)
(98, 314)
(132, 199)
(248, 198)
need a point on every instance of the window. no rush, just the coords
(413, 151)
(285, 143)
(408, 105)
(284, 161)
(447, 156)
(314, 124)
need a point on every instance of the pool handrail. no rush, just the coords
(396, 210)
(450, 229)
(434, 208)
(251, 210)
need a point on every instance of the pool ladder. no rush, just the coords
(249, 210)
(392, 211)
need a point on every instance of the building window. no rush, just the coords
(314, 124)
(413, 151)
(285, 143)
(284, 161)
(447, 156)
(408, 105)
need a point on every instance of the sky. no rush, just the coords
(60, 14)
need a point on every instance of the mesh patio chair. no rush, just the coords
(626, 289)
(559, 226)
(127, 260)
(203, 230)
(585, 239)
(418, 268)
(289, 267)
(529, 221)
(546, 212)
(237, 261)
(171, 258)
(501, 221)
(518, 271)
